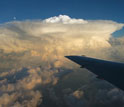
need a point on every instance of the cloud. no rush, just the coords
(78, 94)
(64, 19)
(32, 62)
(20, 36)
(20, 91)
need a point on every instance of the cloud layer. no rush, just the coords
(32, 58)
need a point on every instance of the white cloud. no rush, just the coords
(64, 19)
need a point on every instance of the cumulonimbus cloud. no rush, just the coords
(40, 46)
(93, 34)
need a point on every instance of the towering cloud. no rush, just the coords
(64, 20)
(20, 36)
(32, 56)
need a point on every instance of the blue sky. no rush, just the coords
(41, 9)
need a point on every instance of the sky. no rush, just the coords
(41, 9)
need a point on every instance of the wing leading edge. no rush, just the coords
(113, 72)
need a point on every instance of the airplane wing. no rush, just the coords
(113, 72)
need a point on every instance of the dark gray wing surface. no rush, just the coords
(113, 72)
